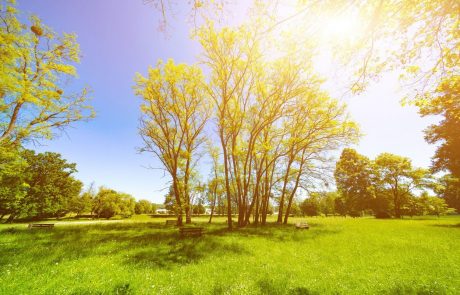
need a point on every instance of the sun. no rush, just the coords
(340, 27)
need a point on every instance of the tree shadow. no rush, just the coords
(183, 252)
(279, 232)
(447, 225)
(144, 244)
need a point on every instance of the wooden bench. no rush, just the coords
(41, 225)
(171, 222)
(190, 231)
(302, 225)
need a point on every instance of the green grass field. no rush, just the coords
(142, 256)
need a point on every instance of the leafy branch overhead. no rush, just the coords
(37, 65)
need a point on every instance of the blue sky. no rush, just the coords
(119, 38)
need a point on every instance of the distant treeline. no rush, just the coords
(387, 187)
(42, 185)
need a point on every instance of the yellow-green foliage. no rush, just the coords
(35, 62)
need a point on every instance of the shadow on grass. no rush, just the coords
(143, 244)
(448, 225)
(418, 289)
(279, 232)
(280, 287)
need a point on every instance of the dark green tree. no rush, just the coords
(13, 186)
(448, 188)
(327, 202)
(51, 184)
(353, 176)
(310, 206)
(396, 178)
(446, 133)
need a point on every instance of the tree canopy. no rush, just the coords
(36, 64)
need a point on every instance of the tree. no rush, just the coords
(255, 97)
(414, 206)
(109, 203)
(170, 201)
(396, 177)
(353, 176)
(83, 203)
(437, 206)
(13, 186)
(323, 126)
(36, 65)
(419, 37)
(51, 184)
(432, 205)
(215, 185)
(327, 202)
(199, 208)
(449, 190)
(446, 133)
(310, 206)
(144, 207)
(175, 110)
(228, 54)
(127, 205)
(340, 207)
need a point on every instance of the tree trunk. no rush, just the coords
(213, 203)
(283, 192)
(188, 206)
(188, 215)
(178, 201)
(288, 209)
(227, 183)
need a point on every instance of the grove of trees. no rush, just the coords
(388, 186)
(254, 104)
(276, 127)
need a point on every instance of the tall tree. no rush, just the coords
(229, 54)
(175, 110)
(324, 127)
(446, 104)
(215, 186)
(36, 64)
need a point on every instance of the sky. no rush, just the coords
(119, 38)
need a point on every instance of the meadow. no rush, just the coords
(143, 256)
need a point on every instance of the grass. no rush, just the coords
(142, 256)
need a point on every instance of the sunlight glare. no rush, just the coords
(345, 27)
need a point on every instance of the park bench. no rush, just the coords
(190, 231)
(302, 225)
(171, 222)
(41, 225)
